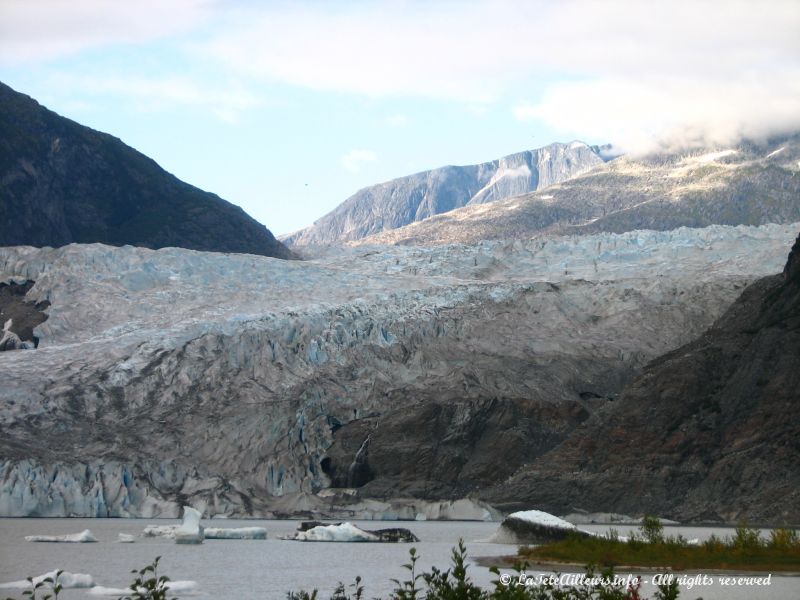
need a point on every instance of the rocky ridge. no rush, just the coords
(401, 201)
(61, 182)
(750, 184)
(244, 385)
(716, 420)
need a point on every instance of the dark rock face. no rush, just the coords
(24, 315)
(710, 431)
(61, 182)
(405, 200)
(306, 525)
(397, 535)
(520, 531)
(447, 448)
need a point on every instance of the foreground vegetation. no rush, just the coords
(451, 584)
(745, 550)
(455, 584)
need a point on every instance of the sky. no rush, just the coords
(288, 108)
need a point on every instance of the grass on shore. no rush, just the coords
(745, 550)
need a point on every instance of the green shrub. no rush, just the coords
(784, 539)
(746, 538)
(652, 530)
(148, 585)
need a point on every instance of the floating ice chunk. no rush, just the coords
(101, 590)
(539, 517)
(315, 531)
(534, 527)
(190, 531)
(125, 538)
(167, 531)
(241, 533)
(66, 579)
(82, 537)
(184, 588)
(344, 532)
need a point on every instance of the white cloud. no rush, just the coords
(606, 66)
(226, 103)
(398, 121)
(471, 50)
(622, 70)
(355, 159)
(477, 110)
(40, 30)
(669, 113)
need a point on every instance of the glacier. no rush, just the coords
(171, 377)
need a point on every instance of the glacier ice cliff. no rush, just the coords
(245, 385)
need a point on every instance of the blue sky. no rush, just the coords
(287, 108)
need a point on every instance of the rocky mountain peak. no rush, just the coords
(62, 183)
(399, 202)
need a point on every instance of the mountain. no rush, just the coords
(398, 202)
(61, 182)
(249, 386)
(714, 420)
(750, 184)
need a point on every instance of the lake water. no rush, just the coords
(266, 570)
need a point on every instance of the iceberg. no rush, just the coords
(167, 531)
(313, 531)
(534, 527)
(343, 532)
(125, 538)
(240, 533)
(75, 538)
(539, 517)
(190, 531)
(182, 587)
(66, 579)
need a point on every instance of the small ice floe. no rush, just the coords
(166, 531)
(84, 536)
(125, 538)
(240, 533)
(534, 527)
(190, 531)
(184, 588)
(66, 579)
(313, 531)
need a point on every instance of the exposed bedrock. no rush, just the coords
(18, 316)
(244, 385)
(708, 432)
